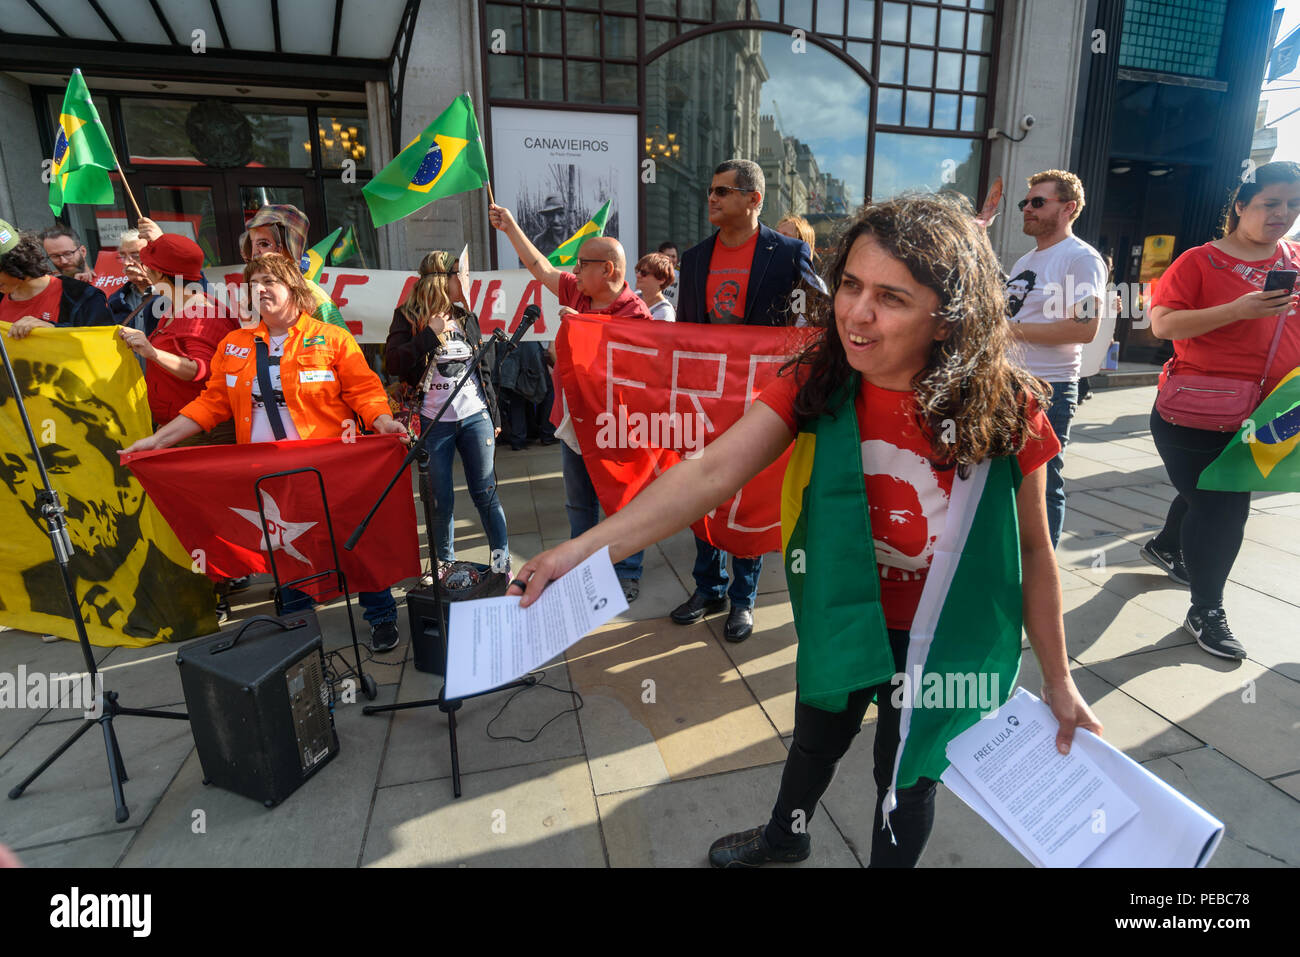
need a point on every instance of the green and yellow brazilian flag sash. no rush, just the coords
(969, 618)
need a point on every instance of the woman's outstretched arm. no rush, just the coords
(685, 492)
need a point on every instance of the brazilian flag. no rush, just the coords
(345, 249)
(313, 260)
(1262, 457)
(446, 159)
(567, 251)
(82, 154)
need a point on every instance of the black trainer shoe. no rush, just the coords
(223, 610)
(631, 588)
(1171, 563)
(383, 636)
(740, 624)
(696, 607)
(1210, 629)
(750, 849)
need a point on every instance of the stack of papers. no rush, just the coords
(1095, 807)
(492, 641)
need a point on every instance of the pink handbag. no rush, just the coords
(1212, 402)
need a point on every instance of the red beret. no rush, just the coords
(174, 255)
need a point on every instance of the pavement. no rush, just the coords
(679, 737)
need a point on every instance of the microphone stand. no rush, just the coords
(52, 511)
(448, 706)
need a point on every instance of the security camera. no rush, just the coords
(1028, 122)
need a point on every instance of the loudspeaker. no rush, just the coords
(479, 581)
(259, 705)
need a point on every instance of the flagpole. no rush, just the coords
(488, 183)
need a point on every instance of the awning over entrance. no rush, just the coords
(359, 38)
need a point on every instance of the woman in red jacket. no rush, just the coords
(178, 354)
(1211, 303)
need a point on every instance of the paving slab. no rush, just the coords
(698, 711)
(766, 659)
(73, 798)
(1242, 709)
(1256, 816)
(1100, 625)
(537, 815)
(319, 825)
(674, 824)
(418, 741)
(99, 850)
(25, 650)
(1290, 784)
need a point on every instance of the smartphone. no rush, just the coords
(1280, 279)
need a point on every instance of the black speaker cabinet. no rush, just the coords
(427, 652)
(259, 705)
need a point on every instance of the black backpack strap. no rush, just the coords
(268, 392)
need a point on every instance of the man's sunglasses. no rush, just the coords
(1038, 202)
(720, 192)
(588, 262)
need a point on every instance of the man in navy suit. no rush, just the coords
(743, 273)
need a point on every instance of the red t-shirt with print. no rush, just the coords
(728, 281)
(908, 496)
(1205, 277)
(44, 305)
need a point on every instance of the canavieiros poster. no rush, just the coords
(554, 169)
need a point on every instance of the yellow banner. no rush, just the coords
(136, 584)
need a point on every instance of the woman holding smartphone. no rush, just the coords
(1215, 303)
(903, 407)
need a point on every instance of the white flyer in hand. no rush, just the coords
(492, 641)
(1060, 806)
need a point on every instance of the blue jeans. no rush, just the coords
(477, 444)
(1065, 399)
(711, 575)
(378, 606)
(583, 506)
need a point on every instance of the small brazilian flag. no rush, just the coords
(82, 154)
(1262, 456)
(446, 159)
(346, 248)
(567, 251)
(313, 260)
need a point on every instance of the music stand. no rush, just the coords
(448, 706)
(51, 510)
(368, 686)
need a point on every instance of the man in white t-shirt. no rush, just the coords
(1054, 299)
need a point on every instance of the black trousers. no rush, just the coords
(1207, 526)
(821, 738)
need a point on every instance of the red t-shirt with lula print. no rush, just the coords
(908, 496)
(1205, 277)
(728, 282)
(44, 305)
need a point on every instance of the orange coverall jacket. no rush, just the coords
(324, 376)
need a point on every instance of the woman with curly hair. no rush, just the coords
(431, 339)
(912, 501)
(32, 297)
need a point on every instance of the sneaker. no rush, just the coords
(383, 636)
(1171, 563)
(631, 588)
(750, 849)
(223, 611)
(234, 585)
(1210, 629)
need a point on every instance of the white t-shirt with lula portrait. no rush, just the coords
(1044, 286)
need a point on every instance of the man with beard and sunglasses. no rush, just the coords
(1054, 301)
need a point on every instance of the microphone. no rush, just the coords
(531, 315)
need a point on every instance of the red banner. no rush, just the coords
(643, 394)
(206, 493)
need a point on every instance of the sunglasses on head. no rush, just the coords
(1038, 202)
